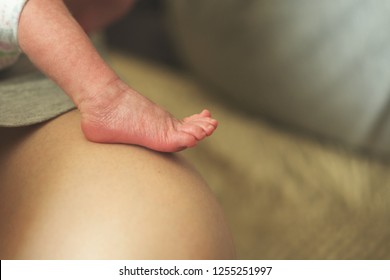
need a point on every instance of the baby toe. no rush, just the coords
(205, 113)
(195, 130)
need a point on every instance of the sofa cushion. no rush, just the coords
(285, 196)
(318, 66)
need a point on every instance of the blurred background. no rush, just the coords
(301, 89)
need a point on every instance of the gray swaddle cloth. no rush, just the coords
(27, 97)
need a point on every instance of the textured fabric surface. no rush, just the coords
(320, 66)
(27, 97)
(285, 196)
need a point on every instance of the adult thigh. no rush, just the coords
(62, 197)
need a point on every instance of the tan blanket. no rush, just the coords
(286, 196)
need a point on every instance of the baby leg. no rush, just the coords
(111, 111)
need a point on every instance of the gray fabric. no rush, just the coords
(321, 66)
(27, 97)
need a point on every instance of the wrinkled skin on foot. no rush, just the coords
(121, 115)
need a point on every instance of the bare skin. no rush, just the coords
(111, 111)
(63, 197)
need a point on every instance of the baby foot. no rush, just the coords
(121, 115)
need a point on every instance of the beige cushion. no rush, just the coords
(318, 66)
(285, 196)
